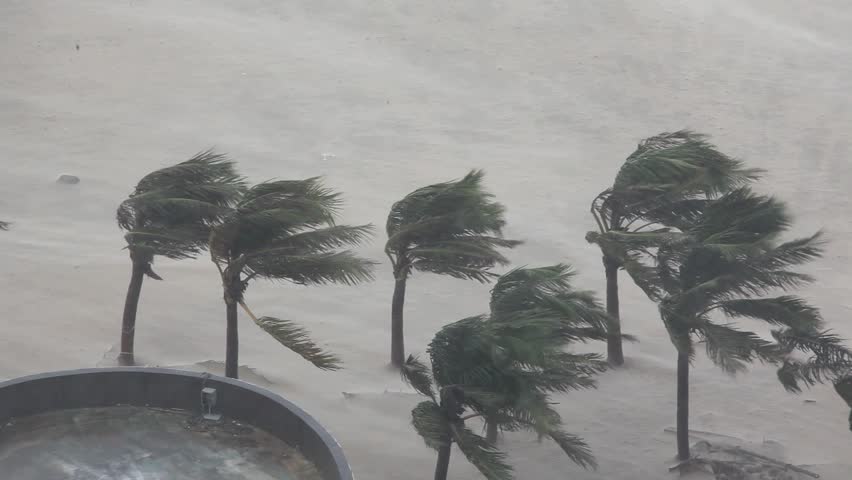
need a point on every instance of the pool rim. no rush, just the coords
(340, 469)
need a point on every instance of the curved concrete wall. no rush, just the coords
(164, 388)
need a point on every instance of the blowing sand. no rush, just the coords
(382, 97)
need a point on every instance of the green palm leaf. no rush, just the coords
(786, 310)
(573, 446)
(732, 349)
(298, 340)
(431, 424)
(490, 461)
(416, 374)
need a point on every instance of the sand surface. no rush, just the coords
(385, 96)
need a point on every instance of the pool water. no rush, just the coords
(137, 443)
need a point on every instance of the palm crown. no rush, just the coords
(664, 183)
(284, 230)
(171, 210)
(452, 228)
(719, 264)
(547, 292)
(666, 179)
(505, 367)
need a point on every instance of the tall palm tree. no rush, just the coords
(480, 366)
(545, 293)
(721, 268)
(453, 228)
(169, 214)
(661, 184)
(284, 230)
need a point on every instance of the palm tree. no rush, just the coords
(453, 228)
(546, 293)
(169, 214)
(721, 268)
(661, 184)
(284, 230)
(480, 366)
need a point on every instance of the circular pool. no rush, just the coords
(152, 423)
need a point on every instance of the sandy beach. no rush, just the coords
(382, 97)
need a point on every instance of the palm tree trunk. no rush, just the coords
(615, 353)
(443, 465)
(491, 432)
(397, 338)
(128, 320)
(682, 406)
(232, 345)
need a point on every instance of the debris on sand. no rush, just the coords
(68, 179)
(730, 462)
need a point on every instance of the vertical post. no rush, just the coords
(397, 338)
(682, 406)
(615, 352)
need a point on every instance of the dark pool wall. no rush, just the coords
(164, 388)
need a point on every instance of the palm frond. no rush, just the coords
(297, 339)
(575, 447)
(203, 167)
(732, 349)
(756, 217)
(416, 374)
(431, 424)
(307, 197)
(523, 288)
(321, 239)
(786, 310)
(175, 243)
(828, 359)
(490, 461)
(342, 267)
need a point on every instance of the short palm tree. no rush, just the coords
(453, 228)
(721, 268)
(546, 293)
(284, 230)
(169, 214)
(661, 184)
(480, 366)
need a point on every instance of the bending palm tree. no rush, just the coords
(284, 230)
(452, 228)
(663, 183)
(725, 264)
(170, 213)
(545, 293)
(477, 366)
